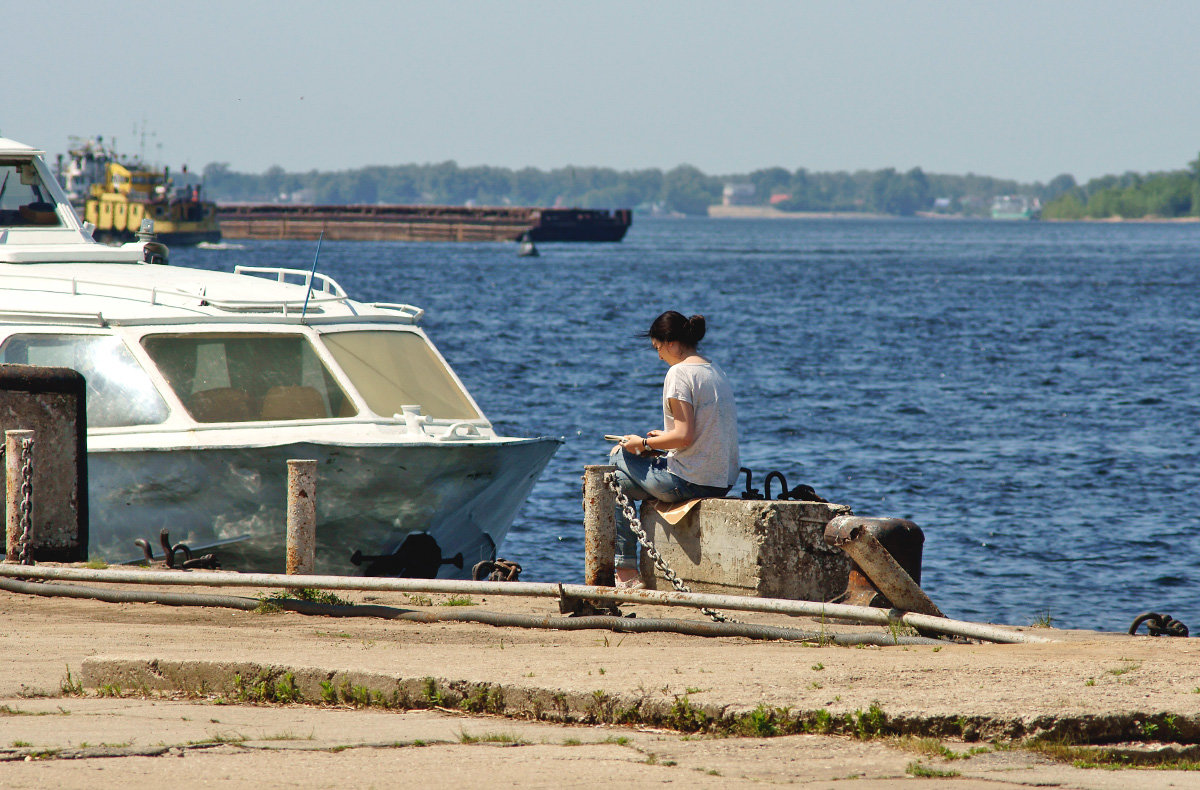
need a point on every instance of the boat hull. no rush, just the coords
(231, 501)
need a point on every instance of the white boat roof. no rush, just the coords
(101, 294)
(60, 275)
(8, 146)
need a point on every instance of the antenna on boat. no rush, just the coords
(312, 275)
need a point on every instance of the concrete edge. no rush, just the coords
(254, 683)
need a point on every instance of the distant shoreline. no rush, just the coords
(1146, 220)
(770, 212)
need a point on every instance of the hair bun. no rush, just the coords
(672, 326)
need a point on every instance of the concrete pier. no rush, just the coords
(193, 697)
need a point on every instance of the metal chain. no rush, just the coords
(26, 554)
(1159, 624)
(635, 524)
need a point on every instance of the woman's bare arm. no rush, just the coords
(677, 438)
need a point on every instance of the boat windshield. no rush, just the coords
(392, 369)
(246, 376)
(119, 392)
(24, 199)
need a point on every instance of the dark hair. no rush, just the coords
(672, 327)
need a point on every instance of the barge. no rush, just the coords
(421, 223)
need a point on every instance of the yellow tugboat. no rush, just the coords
(115, 196)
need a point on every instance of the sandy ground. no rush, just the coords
(1096, 682)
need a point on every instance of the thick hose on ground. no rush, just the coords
(604, 622)
(858, 614)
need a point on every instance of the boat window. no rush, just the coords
(394, 369)
(243, 377)
(24, 199)
(118, 391)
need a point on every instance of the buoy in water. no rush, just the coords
(527, 248)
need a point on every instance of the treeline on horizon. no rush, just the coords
(687, 190)
(1168, 195)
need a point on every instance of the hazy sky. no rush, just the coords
(1024, 90)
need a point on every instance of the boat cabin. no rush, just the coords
(235, 377)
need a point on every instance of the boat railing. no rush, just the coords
(60, 318)
(409, 311)
(172, 297)
(319, 282)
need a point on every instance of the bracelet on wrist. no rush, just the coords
(646, 443)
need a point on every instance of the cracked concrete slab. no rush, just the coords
(1117, 683)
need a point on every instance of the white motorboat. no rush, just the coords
(202, 384)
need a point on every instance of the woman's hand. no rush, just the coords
(681, 435)
(634, 443)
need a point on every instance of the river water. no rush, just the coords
(1028, 393)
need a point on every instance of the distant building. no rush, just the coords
(738, 195)
(300, 196)
(1016, 207)
(779, 197)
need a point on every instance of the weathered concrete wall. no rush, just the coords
(50, 402)
(771, 549)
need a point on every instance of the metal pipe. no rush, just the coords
(301, 516)
(15, 485)
(863, 614)
(599, 528)
(639, 625)
(879, 565)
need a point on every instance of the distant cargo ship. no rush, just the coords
(115, 195)
(1016, 207)
(422, 223)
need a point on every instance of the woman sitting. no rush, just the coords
(696, 453)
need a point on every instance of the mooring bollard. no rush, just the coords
(599, 527)
(18, 479)
(301, 516)
(853, 535)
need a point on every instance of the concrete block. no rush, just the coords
(51, 403)
(770, 549)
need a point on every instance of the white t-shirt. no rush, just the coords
(712, 457)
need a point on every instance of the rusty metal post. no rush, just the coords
(19, 490)
(301, 516)
(599, 527)
(850, 534)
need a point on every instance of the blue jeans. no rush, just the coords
(646, 477)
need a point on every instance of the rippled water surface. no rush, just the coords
(1027, 393)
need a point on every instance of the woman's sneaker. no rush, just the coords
(630, 581)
